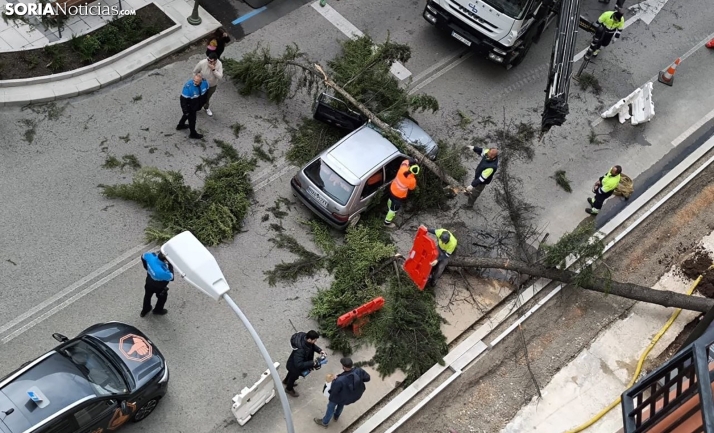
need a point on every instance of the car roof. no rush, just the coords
(360, 152)
(56, 377)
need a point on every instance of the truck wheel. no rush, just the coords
(521, 54)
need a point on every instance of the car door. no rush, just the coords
(392, 168)
(374, 183)
(100, 416)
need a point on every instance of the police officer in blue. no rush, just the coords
(158, 274)
(193, 96)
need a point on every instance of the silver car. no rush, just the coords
(340, 183)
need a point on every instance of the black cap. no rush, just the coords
(346, 362)
(445, 237)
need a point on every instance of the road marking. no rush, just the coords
(248, 16)
(73, 287)
(263, 184)
(352, 32)
(677, 141)
(71, 300)
(438, 65)
(257, 185)
(648, 9)
(440, 73)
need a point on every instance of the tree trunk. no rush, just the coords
(626, 290)
(454, 185)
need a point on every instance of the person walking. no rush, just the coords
(485, 170)
(301, 358)
(211, 69)
(404, 182)
(446, 243)
(611, 25)
(192, 98)
(347, 388)
(217, 42)
(603, 189)
(159, 272)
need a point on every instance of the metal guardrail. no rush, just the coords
(674, 393)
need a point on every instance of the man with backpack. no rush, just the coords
(159, 272)
(347, 388)
(301, 359)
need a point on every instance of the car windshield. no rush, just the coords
(513, 8)
(98, 370)
(329, 182)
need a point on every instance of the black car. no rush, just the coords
(110, 374)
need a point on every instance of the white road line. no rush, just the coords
(438, 65)
(440, 73)
(677, 141)
(263, 184)
(346, 27)
(73, 287)
(71, 300)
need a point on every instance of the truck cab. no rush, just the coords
(502, 30)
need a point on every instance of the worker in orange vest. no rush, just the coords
(404, 182)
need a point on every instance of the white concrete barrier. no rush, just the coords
(250, 400)
(636, 107)
(643, 107)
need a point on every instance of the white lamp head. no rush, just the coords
(196, 264)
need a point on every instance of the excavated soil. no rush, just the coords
(699, 264)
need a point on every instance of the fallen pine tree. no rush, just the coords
(635, 292)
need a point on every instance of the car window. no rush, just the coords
(90, 415)
(392, 168)
(98, 370)
(65, 425)
(329, 182)
(373, 183)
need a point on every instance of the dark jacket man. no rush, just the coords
(152, 287)
(301, 358)
(484, 173)
(347, 388)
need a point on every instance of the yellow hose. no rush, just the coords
(654, 341)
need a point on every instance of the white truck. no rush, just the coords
(504, 30)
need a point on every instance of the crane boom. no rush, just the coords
(561, 65)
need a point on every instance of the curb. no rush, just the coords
(20, 92)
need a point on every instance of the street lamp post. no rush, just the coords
(194, 19)
(199, 268)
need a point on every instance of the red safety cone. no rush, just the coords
(710, 44)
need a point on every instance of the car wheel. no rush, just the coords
(145, 410)
(355, 219)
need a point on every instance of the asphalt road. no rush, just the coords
(67, 251)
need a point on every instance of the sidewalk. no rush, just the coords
(602, 372)
(16, 36)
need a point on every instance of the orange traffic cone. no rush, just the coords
(667, 76)
(710, 44)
